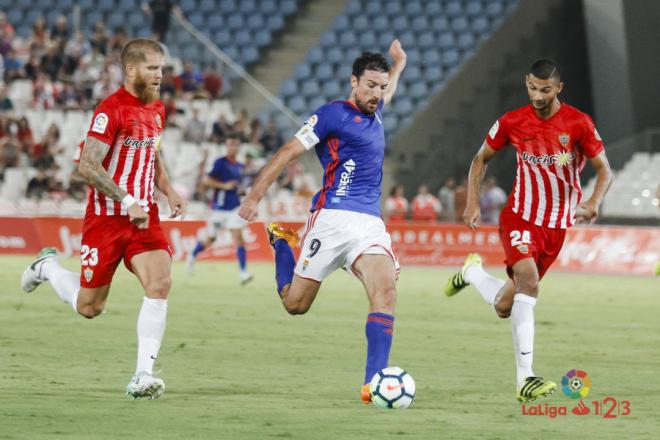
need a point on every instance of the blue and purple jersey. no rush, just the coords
(226, 170)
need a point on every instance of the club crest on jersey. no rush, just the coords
(522, 248)
(159, 122)
(357, 119)
(88, 273)
(564, 139)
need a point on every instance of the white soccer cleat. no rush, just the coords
(32, 277)
(246, 277)
(145, 384)
(190, 264)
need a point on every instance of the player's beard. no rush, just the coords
(363, 106)
(145, 91)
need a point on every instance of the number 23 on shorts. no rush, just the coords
(89, 256)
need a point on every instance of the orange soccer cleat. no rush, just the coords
(277, 232)
(365, 394)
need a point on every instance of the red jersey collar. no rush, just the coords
(561, 110)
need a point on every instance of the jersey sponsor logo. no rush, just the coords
(493, 130)
(597, 135)
(562, 158)
(564, 139)
(153, 142)
(100, 123)
(346, 178)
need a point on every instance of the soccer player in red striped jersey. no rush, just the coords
(553, 141)
(121, 163)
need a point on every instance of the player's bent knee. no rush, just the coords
(502, 311)
(296, 308)
(384, 298)
(90, 311)
(159, 288)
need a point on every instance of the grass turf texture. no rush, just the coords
(237, 366)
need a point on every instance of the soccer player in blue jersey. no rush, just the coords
(345, 229)
(224, 178)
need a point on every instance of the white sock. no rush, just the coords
(150, 330)
(65, 282)
(522, 323)
(487, 285)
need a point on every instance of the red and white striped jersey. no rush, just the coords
(133, 130)
(551, 153)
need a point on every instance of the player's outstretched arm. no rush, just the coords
(472, 213)
(178, 206)
(399, 56)
(588, 210)
(292, 150)
(91, 169)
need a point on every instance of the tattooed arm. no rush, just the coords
(91, 169)
(162, 182)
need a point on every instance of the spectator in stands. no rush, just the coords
(24, 135)
(43, 154)
(103, 87)
(195, 129)
(460, 199)
(446, 196)
(220, 129)
(189, 81)
(160, 17)
(60, 33)
(170, 109)
(44, 92)
(78, 45)
(118, 40)
(70, 62)
(256, 131)
(271, 139)
(69, 98)
(212, 82)
(99, 39)
(5, 101)
(10, 148)
(491, 201)
(6, 34)
(396, 205)
(84, 80)
(51, 62)
(39, 39)
(249, 173)
(13, 66)
(425, 206)
(39, 186)
(33, 66)
(168, 81)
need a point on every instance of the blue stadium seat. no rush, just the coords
(227, 6)
(446, 40)
(351, 54)
(288, 6)
(373, 8)
(332, 90)
(115, 19)
(368, 41)
(450, 58)
(418, 90)
(426, 40)
(263, 38)
(407, 39)
(390, 122)
(480, 25)
(380, 23)
(344, 72)
(316, 102)
(61, 4)
(188, 6)
(126, 5)
(440, 24)
(243, 38)
(431, 57)
(214, 22)
(361, 22)
(494, 8)
(5, 4)
(459, 24)
(249, 54)
(24, 31)
(400, 24)
(298, 105)
(314, 55)
(341, 23)
(248, 7)
(433, 9)
(453, 9)
(236, 22)
(310, 88)
(289, 88)
(233, 53)
(275, 22)
(223, 38)
(256, 22)
(347, 40)
(302, 72)
(414, 56)
(207, 6)
(268, 7)
(334, 55)
(324, 72)
(87, 4)
(393, 9)
(385, 39)
(353, 8)
(465, 41)
(420, 23)
(104, 5)
(474, 9)
(413, 8)
(403, 105)
(329, 39)
(15, 16)
(433, 72)
(413, 73)
(30, 17)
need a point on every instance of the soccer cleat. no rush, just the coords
(277, 232)
(190, 263)
(457, 282)
(246, 277)
(145, 384)
(32, 277)
(534, 387)
(365, 394)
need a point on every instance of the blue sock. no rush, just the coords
(379, 340)
(284, 264)
(242, 257)
(199, 247)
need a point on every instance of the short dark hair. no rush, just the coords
(545, 68)
(134, 50)
(370, 61)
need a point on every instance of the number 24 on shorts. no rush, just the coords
(519, 238)
(89, 256)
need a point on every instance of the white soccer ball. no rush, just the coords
(392, 388)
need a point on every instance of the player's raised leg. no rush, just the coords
(241, 255)
(378, 275)
(526, 279)
(198, 249)
(153, 270)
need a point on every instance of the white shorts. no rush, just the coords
(335, 238)
(220, 219)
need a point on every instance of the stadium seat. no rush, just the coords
(368, 41)
(440, 24)
(125, 5)
(249, 54)
(373, 8)
(298, 105)
(450, 58)
(380, 23)
(101, 5)
(400, 24)
(302, 71)
(223, 38)
(263, 38)
(433, 72)
(465, 41)
(316, 102)
(324, 72)
(494, 8)
(340, 23)
(420, 23)
(418, 90)
(256, 22)
(268, 7)
(214, 22)
(243, 38)
(353, 8)
(332, 90)
(480, 25)
(335, 55)
(430, 57)
(459, 24)
(328, 39)
(433, 9)
(393, 8)
(413, 8)
(188, 6)
(453, 9)
(289, 88)
(446, 40)
(248, 7)
(347, 40)
(236, 22)
(288, 6)
(361, 22)
(227, 6)
(474, 9)
(426, 40)
(315, 55)
(275, 22)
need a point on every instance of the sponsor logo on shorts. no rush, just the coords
(305, 264)
(522, 248)
(89, 274)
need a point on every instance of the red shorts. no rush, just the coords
(108, 239)
(522, 239)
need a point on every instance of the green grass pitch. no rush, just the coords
(237, 366)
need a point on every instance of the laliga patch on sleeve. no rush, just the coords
(306, 134)
(100, 123)
(493, 130)
(597, 135)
